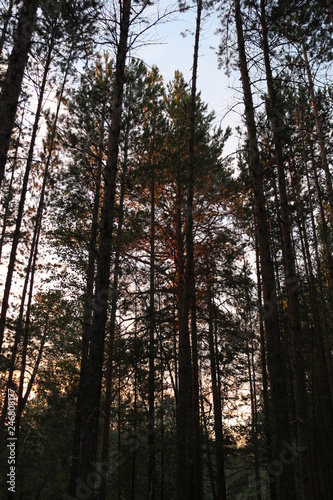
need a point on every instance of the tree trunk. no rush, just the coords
(267, 405)
(318, 304)
(291, 281)
(151, 376)
(184, 366)
(86, 331)
(135, 406)
(109, 368)
(162, 473)
(221, 483)
(270, 311)
(253, 393)
(89, 435)
(12, 83)
(189, 487)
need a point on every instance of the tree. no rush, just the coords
(93, 387)
(295, 332)
(275, 364)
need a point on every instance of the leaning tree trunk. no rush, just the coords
(12, 83)
(270, 310)
(91, 406)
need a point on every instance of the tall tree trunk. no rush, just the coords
(270, 311)
(16, 237)
(135, 405)
(291, 281)
(89, 435)
(119, 430)
(253, 393)
(190, 276)
(197, 441)
(162, 427)
(267, 405)
(184, 366)
(151, 376)
(189, 487)
(12, 83)
(86, 331)
(221, 483)
(112, 328)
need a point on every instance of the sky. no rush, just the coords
(172, 51)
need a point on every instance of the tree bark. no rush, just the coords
(221, 493)
(266, 401)
(291, 281)
(250, 348)
(151, 376)
(189, 487)
(109, 368)
(86, 331)
(89, 435)
(270, 311)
